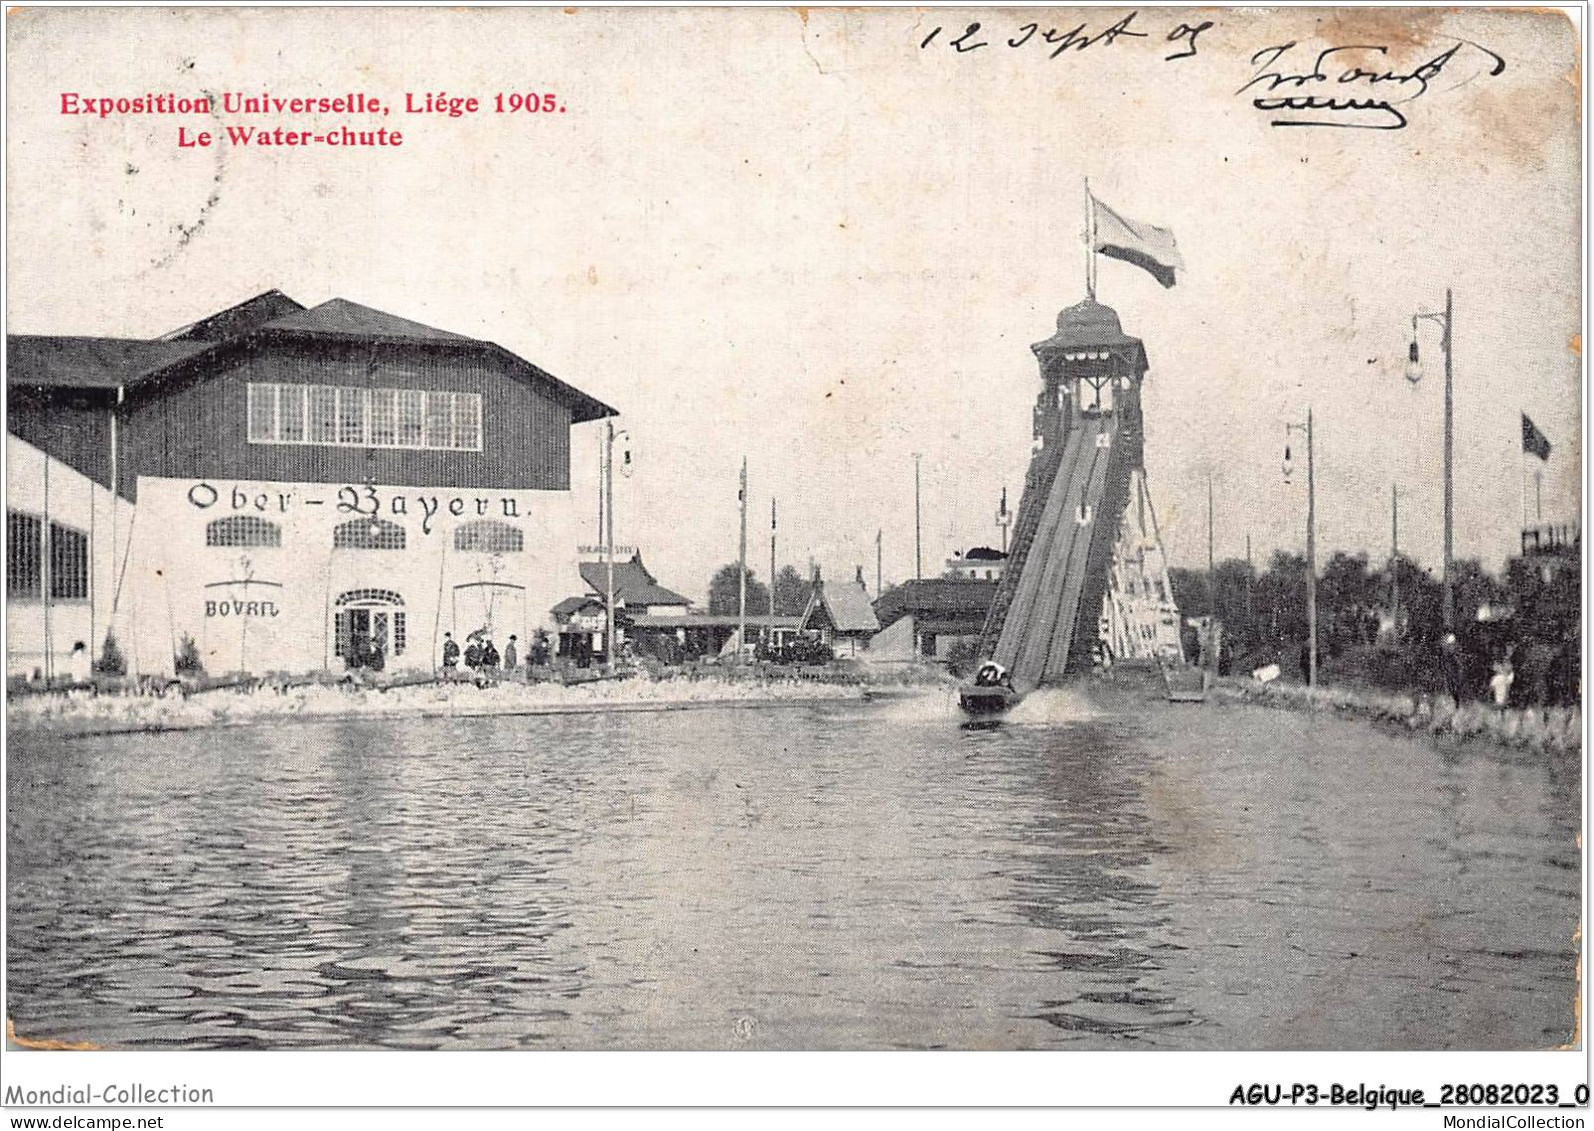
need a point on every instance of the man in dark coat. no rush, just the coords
(473, 655)
(489, 656)
(450, 652)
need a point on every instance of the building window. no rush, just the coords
(368, 534)
(290, 414)
(69, 563)
(24, 556)
(412, 409)
(262, 413)
(243, 530)
(439, 419)
(384, 418)
(487, 537)
(351, 417)
(323, 413)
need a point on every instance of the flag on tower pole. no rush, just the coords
(1534, 441)
(1150, 248)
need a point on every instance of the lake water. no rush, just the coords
(1142, 875)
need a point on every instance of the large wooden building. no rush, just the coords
(290, 489)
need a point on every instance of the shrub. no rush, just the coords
(187, 661)
(111, 661)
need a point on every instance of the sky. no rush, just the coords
(799, 236)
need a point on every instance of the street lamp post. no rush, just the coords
(609, 436)
(1311, 541)
(1414, 374)
(918, 556)
(1394, 560)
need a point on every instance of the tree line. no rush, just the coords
(1383, 626)
(792, 591)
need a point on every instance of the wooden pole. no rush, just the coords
(741, 558)
(1448, 609)
(1311, 556)
(1212, 590)
(608, 541)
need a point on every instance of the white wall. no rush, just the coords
(43, 486)
(262, 609)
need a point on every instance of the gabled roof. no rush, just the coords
(940, 597)
(845, 603)
(634, 586)
(89, 363)
(247, 315)
(109, 363)
(572, 605)
(343, 318)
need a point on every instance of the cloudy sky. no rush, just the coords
(801, 236)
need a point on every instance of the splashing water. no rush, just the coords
(1046, 706)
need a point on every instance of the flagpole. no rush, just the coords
(769, 630)
(1090, 242)
(1522, 465)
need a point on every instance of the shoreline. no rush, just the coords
(85, 715)
(1544, 729)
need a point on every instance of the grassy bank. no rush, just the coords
(1556, 729)
(83, 712)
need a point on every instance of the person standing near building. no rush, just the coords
(1500, 682)
(78, 668)
(450, 652)
(511, 656)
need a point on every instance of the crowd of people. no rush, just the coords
(481, 655)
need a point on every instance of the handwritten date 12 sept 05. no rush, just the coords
(1077, 38)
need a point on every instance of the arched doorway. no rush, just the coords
(369, 628)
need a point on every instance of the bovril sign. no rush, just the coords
(236, 608)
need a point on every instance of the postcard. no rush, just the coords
(580, 530)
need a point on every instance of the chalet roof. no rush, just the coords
(942, 598)
(340, 317)
(50, 361)
(572, 605)
(248, 315)
(846, 603)
(89, 363)
(633, 584)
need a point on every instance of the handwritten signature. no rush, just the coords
(1351, 86)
